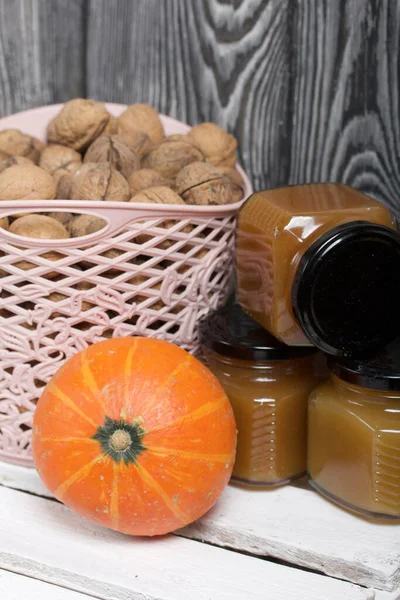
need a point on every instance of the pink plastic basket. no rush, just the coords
(158, 284)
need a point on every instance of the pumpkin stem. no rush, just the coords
(121, 440)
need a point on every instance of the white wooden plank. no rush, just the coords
(22, 478)
(291, 523)
(15, 587)
(380, 595)
(296, 525)
(46, 540)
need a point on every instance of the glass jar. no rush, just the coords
(268, 385)
(316, 265)
(354, 435)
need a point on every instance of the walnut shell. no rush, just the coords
(158, 195)
(11, 161)
(237, 183)
(169, 157)
(111, 127)
(144, 118)
(217, 145)
(85, 225)
(79, 122)
(60, 160)
(63, 185)
(117, 151)
(202, 183)
(138, 140)
(26, 182)
(40, 227)
(146, 178)
(179, 137)
(15, 143)
(4, 222)
(62, 217)
(99, 181)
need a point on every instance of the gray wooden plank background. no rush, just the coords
(310, 87)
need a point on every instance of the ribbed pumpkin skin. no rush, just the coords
(170, 401)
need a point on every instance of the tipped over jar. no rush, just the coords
(318, 264)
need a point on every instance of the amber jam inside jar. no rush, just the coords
(318, 264)
(354, 435)
(268, 385)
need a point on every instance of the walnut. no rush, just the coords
(85, 225)
(111, 127)
(4, 222)
(79, 122)
(236, 181)
(160, 195)
(139, 141)
(117, 151)
(15, 143)
(26, 182)
(146, 178)
(169, 157)
(60, 160)
(41, 227)
(11, 161)
(218, 146)
(63, 183)
(99, 181)
(144, 118)
(62, 217)
(179, 137)
(202, 183)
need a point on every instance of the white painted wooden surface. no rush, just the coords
(298, 526)
(19, 587)
(292, 524)
(45, 540)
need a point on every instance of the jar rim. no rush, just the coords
(346, 291)
(381, 372)
(231, 332)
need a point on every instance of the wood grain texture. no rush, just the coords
(344, 97)
(41, 52)
(197, 61)
(309, 88)
(77, 554)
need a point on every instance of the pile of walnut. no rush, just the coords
(91, 155)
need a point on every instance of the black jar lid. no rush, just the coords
(231, 332)
(346, 293)
(381, 372)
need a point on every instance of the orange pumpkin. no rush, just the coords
(135, 434)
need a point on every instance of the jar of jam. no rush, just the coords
(268, 385)
(354, 435)
(318, 264)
